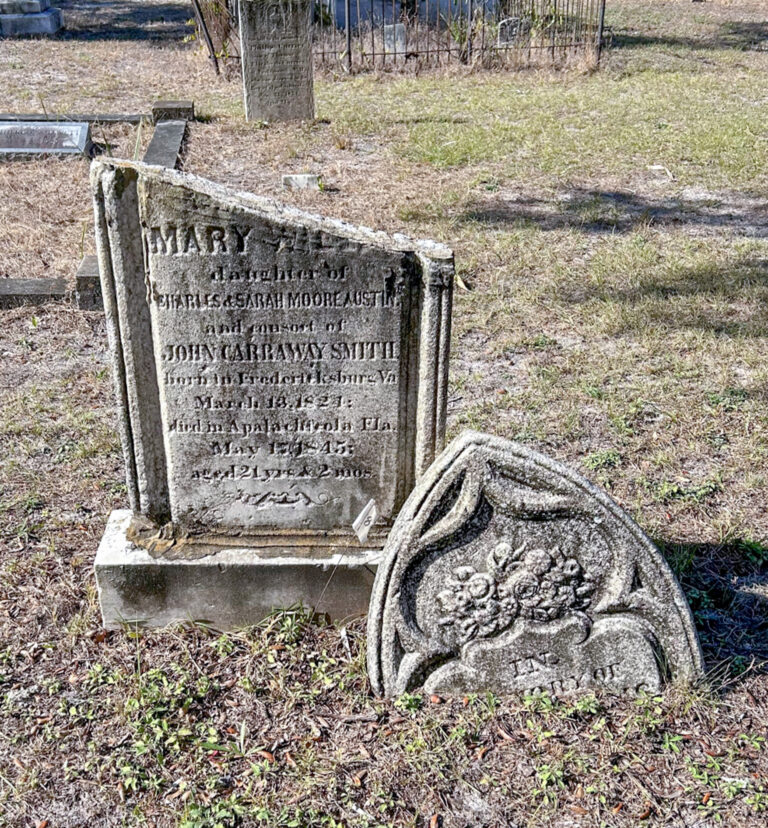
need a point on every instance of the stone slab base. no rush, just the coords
(234, 588)
(17, 292)
(23, 6)
(88, 285)
(44, 23)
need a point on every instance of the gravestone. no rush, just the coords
(394, 39)
(276, 54)
(506, 571)
(275, 372)
(52, 138)
(28, 17)
(513, 30)
(173, 111)
(88, 285)
(164, 149)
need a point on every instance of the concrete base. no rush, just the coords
(18, 25)
(233, 588)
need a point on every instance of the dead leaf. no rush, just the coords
(435, 821)
(265, 754)
(577, 809)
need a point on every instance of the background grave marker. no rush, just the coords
(276, 50)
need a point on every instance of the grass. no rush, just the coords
(610, 237)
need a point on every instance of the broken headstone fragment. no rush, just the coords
(301, 181)
(506, 571)
(276, 372)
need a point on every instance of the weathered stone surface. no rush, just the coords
(173, 111)
(275, 370)
(230, 589)
(276, 50)
(506, 571)
(301, 181)
(90, 117)
(88, 285)
(165, 147)
(17, 292)
(47, 22)
(52, 138)
(23, 6)
(394, 39)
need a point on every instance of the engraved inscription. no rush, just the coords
(281, 363)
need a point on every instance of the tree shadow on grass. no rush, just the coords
(736, 283)
(125, 20)
(740, 35)
(617, 211)
(727, 589)
(728, 299)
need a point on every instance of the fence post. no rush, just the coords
(600, 27)
(347, 15)
(470, 15)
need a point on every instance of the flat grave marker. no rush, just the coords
(47, 138)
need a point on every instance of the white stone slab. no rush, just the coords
(301, 181)
(51, 138)
(234, 588)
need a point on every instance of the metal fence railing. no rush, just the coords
(394, 34)
(360, 35)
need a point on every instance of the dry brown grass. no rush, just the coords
(616, 319)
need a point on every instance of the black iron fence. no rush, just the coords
(394, 34)
(360, 35)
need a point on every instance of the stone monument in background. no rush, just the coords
(506, 571)
(20, 18)
(280, 378)
(276, 54)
